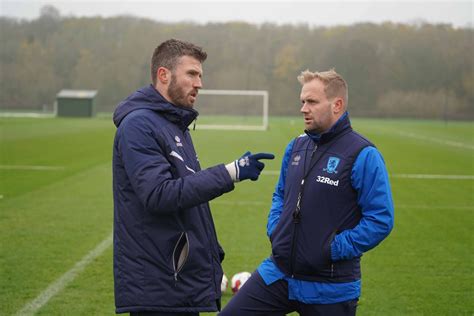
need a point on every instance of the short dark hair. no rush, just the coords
(168, 53)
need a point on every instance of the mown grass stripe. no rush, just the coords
(57, 286)
(405, 176)
(34, 168)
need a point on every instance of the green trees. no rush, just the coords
(393, 70)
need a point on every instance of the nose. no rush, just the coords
(304, 108)
(198, 83)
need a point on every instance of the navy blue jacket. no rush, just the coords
(166, 253)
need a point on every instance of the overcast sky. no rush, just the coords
(315, 12)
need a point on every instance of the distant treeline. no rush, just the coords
(393, 70)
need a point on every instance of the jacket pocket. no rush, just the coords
(221, 253)
(328, 245)
(329, 254)
(180, 254)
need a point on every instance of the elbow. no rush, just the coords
(156, 202)
(159, 208)
(380, 230)
(390, 223)
(390, 228)
(385, 222)
(386, 228)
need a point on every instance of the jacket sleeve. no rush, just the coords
(150, 174)
(370, 180)
(279, 194)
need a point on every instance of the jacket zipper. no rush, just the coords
(297, 218)
(185, 248)
(331, 237)
(296, 221)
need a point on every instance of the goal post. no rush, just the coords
(232, 110)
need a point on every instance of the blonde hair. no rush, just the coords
(334, 84)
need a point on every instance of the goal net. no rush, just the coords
(232, 109)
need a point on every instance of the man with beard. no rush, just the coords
(167, 260)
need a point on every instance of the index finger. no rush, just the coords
(263, 156)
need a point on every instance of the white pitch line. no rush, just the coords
(35, 168)
(57, 286)
(436, 207)
(436, 140)
(30, 115)
(404, 175)
(433, 176)
(403, 206)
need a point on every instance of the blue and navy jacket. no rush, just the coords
(166, 254)
(332, 203)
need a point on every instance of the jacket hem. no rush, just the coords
(325, 276)
(128, 309)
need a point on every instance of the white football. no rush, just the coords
(224, 283)
(238, 280)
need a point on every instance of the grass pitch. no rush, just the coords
(56, 207)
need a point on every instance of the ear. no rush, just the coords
(163, 75)
(338, 106)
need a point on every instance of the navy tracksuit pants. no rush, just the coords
(256, 298)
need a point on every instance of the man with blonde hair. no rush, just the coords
(331, 204)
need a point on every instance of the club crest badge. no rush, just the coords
(178, 141)
(333, 162)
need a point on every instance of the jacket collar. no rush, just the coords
(149, 98)
(178, 115)
(342, 125)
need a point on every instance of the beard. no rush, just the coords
(177, 94)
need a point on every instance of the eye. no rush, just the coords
(194, 73)
(310, 101)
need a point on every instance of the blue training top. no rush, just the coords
(369, 178)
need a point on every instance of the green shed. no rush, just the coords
(76, 103)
